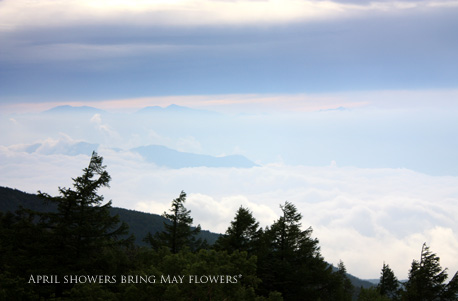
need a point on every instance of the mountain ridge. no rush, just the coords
(164, 156)
(158, 154)
(140, 223)
(68, 109)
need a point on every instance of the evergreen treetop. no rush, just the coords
(178, 232)
(389, 284)
(242, 234)
(427, 279)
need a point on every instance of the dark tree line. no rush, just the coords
(77, 238)
(426, 282)
(279, 262)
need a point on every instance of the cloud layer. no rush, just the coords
(194, 12)
(187, 12)
(345, 160)
(362, 216)
(77, 50)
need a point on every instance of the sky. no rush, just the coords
(348, 108)
(93, 50)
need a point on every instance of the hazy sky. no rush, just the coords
(348, 107)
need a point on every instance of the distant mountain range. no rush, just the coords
(157, 154)
(67, 109)
(167, 157)
(171, 109)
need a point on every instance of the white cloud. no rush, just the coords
(18, 13)
(45, 172)
(362, 216)
(55, 146)
(97, 119)
(217, 214)
(108, 134)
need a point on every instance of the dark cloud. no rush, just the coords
(410, 50)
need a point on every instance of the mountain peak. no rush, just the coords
(65, 109)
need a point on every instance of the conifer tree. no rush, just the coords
(345, 288)
(389, 284)
(427, 279)
(291, 263)
(242, 234)
(75, 237)
(178, 232)
(83, 225)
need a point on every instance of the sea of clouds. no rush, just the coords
(374, 183)
(362, 216)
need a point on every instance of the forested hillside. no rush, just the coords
(140, 223)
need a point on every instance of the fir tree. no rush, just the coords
(242, 234)
(73, 238)
(178, 232)
(345, 288)
(291, 262)
(389, 284)
(83, 225)
(427, 279)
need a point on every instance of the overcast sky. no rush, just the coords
(93, 50)
(349, 108)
